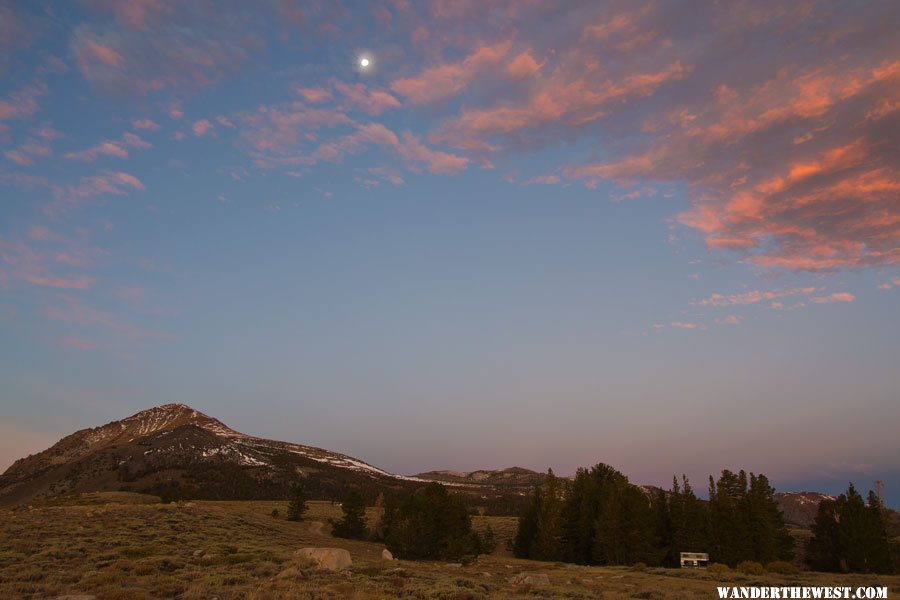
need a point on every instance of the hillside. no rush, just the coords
(175, 451)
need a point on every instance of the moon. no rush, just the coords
(364, 62)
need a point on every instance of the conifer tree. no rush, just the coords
(432, 524)
(665, 508)
(849, 535)
(297, 506)
(730, 540)
(768, 532)
(353, 524)
(548, 536)
(527, 529)
(625, 528)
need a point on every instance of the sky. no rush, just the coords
(664, 236)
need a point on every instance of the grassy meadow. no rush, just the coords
(127, 546)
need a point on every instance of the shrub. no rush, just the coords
(782, 567)
(639, 566)
(751, 567)
(718, 568)
(275, 513)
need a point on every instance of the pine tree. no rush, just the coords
(849, 535)
(625, 528)
(548, 537)
(664, 507)
(353, 524)
(297, 506)
(527, 529)
(729, 532)
(432, 524)
(579, 515)
(768, 532)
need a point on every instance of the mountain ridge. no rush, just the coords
(175, 437)
(175, 451)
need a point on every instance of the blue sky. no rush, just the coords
(518, 237)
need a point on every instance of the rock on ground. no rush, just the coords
(386, 554)
(332, 559)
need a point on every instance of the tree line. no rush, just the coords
(429, 523)
(600, 518)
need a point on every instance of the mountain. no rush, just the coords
(178, 452)
(513, 477)
(800, 508)
(174, 451)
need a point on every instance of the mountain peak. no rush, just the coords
(174, 442)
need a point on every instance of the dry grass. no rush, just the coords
(228, 550)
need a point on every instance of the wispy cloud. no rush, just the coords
(753, 297)
(441, 82)
(88, 189)
(145, 123)
(835, 297)
(153, 46)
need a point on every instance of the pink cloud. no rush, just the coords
(411, 149)
(835, 297)
(145, 124)
(895, 282)
(444, 81)
(23, 103)
(65, 283)
(105, 148)
(389, 175)
(817, 201)
(314, 95)
(135, 141)
(161, 45)
(730, 320)
(87, 189)
(110, 148)
(36, 262)
(92, 50)
(523, 66)
(559, 101)
(75, 312)
(753, 297)
(372, 102)
(201, 127)
(29, 152)
(140, 14)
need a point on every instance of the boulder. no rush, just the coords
(386, 554)
(530, 579)
(332, 559)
